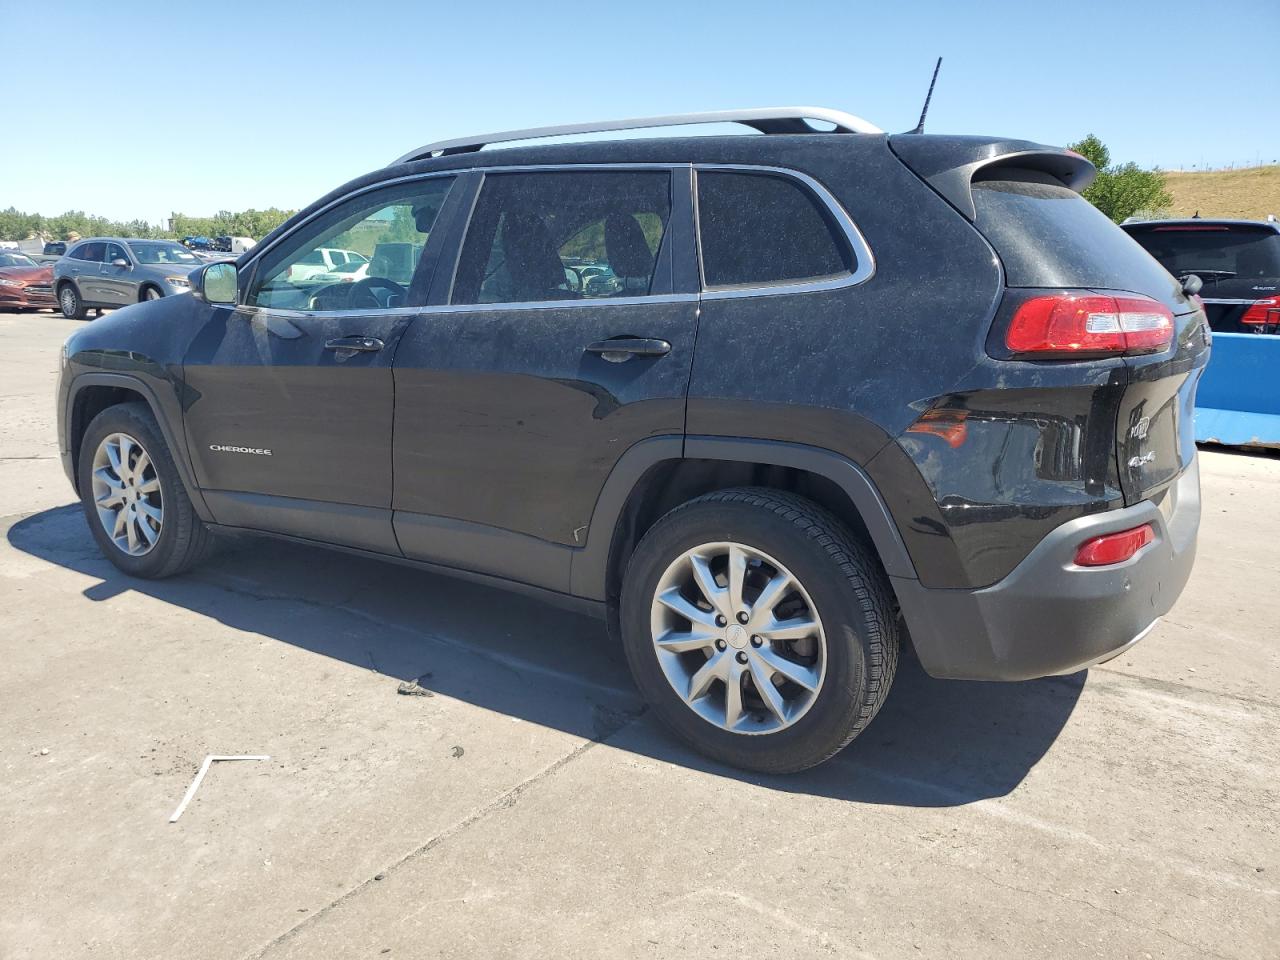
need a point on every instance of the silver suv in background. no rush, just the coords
(106, 272)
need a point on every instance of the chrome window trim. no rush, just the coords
(286, 313)
(260, 250)
(864, 259)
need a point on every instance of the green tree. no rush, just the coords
(1121, 190)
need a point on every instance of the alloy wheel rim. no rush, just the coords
(738, 638)
(127, 495)
(68, 300)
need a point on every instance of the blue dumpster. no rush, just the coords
(1238, 400)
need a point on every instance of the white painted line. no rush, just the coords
(204, 768)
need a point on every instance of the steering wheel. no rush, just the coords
(361, 292)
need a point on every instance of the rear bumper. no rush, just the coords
(1050, 616)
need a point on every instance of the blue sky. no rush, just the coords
(138, 109)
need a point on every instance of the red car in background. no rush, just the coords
(25, 284)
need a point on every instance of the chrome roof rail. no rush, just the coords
(763, 119)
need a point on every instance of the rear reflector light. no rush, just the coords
(1114, 547)
(1263, 312)
(1073, 324)
(945, 422)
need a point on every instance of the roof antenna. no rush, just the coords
(927, 97)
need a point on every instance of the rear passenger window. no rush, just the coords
(757, 229)
(537, 237)
(93, 252)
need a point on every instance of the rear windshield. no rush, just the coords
(1048, 235)
(1216, 251)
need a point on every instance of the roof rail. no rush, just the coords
(763, 119)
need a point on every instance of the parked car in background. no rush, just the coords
(25, 284)
(241, 245)
(349, 272)
(197, 243)
(849, 386)
(1238, 261)
(115, 271)
(322, 260)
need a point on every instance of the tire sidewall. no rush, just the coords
(77, 312)
(822, 730)
(129, 419)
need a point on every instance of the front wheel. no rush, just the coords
(133, 498)
(70, 303)
(759, 629)
(151, 293)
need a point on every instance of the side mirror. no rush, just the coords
(120, 262)
(215, 283)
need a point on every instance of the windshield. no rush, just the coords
(163, 253)
(1213, 251)
(16, 260)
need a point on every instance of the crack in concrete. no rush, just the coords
(503, 801)
(1131, 921)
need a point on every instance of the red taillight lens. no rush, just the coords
(1263, 312)
(1114, 547)
(1074, 324)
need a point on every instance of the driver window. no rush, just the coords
(361, 255)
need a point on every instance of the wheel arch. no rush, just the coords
(658, 474)
(91, 393)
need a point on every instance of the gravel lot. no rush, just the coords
(529, 808)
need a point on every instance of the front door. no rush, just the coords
(290, 394)
(116, 282)
(564, 337)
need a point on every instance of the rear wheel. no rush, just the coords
(133, 498)
(759, 629)
(70, 303)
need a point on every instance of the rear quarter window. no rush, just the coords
(759, 229)
(1047, 235)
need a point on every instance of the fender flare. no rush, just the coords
(587, 576)
(177, 448)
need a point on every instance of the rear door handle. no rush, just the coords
(624, 348)
(358, 344)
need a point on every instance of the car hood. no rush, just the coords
(27, 274)
(170, 269)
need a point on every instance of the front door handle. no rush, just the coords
(624, 348)
(357, 344)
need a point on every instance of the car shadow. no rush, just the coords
(935, 743)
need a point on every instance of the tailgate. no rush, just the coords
(1155, 428)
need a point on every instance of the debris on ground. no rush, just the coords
(457, 752)
(414, 687)
(204, 768)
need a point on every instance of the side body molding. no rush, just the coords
(589, 565)
(173, 436)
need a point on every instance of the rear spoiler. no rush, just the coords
(950, 164)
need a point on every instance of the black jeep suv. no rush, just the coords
(768, 404)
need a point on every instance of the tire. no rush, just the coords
(70, 303)
(182, 540)
(150, 293)
(836, 584)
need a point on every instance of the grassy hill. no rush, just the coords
(1249, 193)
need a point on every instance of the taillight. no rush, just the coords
(1114, 547)
(1263, 312)
(1087, 324)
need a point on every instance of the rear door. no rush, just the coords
(86, 267)
(289, 408)
(520, 388)
(118, 284)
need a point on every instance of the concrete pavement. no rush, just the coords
(530, 808)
